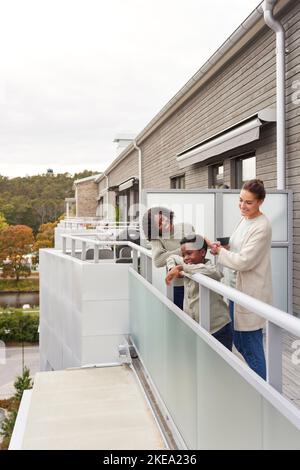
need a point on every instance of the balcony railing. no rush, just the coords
(77, 223)
(211, 397)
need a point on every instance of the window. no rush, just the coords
(178, 182)
(245, 169)
(216, 175)
(99, 210)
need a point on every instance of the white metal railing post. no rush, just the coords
(135, 259)
(274, 356)
(96, 253)
(204, 307)
(149, 269)
(64, 244)
(170, 292)
(83, 251)
(73, 247)
(115, 252)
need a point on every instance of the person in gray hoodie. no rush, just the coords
(192, 261)
(165, 236)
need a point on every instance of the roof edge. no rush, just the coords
(252, 25)
(88, 178)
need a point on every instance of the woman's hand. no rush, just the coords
(175, 272)
(214, 246)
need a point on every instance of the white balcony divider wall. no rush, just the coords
(83, 310)
(215, 213)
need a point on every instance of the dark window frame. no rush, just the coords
(237, 169)
(176, 181)
(212, 182)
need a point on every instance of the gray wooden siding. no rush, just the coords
(245, 85)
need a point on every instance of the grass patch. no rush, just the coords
(22, 285)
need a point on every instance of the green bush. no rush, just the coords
(22, 382)
(19, 326)
(8, 424)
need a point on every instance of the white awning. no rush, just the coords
(236, 136)
(127, 184)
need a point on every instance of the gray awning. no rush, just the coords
(127, 184)
(240, 134)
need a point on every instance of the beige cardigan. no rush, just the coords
(254, 276)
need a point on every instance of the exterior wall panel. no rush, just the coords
(245, 85)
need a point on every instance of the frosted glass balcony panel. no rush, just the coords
(229, 410)
(279, 261)
(212, 405)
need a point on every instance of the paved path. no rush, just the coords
(13, 367)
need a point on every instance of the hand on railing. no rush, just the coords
(175, 272)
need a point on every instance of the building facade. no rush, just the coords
(236, 88)
(86, 194)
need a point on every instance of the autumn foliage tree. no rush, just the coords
(16, 241)
(3, 223)
(44, 238)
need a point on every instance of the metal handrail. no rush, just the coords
(275, 315)
(277, 319)
(98, 243)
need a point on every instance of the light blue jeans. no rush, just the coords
(250, 345)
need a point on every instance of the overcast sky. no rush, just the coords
(74, 73)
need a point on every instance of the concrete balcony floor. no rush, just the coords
(92, 408)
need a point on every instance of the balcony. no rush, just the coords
(92, 227)
(199, 395)
(90, 308)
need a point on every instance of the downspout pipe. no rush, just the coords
(107, 186)
(140, 178)
(276, 26)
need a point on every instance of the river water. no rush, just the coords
(18, 299)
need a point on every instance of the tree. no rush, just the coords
(36, 200)
(16, 241)
(22, 382)
(44, 238)
(3, 223)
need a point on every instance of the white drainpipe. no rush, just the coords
(140, 178)
(104, 174)
(277, 27)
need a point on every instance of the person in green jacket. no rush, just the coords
(192, 261)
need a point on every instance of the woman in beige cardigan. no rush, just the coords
(248, 259)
